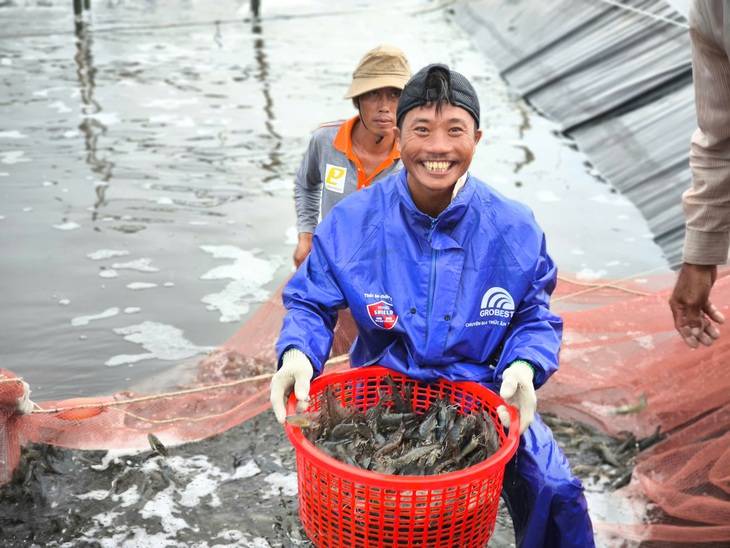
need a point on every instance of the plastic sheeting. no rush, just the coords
(616, 75)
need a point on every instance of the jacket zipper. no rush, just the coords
(431, 279)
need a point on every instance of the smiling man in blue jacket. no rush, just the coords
(445, 278)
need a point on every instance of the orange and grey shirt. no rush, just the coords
(330, 171)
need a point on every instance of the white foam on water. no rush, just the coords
(85, 320)
(276, 185)
(6, 61)
(195, 483)
(247, 470)
(590, 274)
(13, 157)
(608, 506)
(169, 103)
(292, 236)
(114, 456)
(142, 265)
(612, 200)
(99, 494)
(105, 118)
(60, 106)
(67, 226)
(45, 92)
(12, 135)
(132, 310)
(248, 273)
(106, 254)
(547, 196)
(108, 273)
(160, 508)
(281, 485)
(136, 286)
(161, 341)
(64, 302)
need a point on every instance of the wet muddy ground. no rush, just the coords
(235, 489)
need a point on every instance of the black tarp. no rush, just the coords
(616, 76)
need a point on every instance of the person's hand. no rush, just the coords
(518, 390)
(304, 247)
(691, 306)
(294, 375)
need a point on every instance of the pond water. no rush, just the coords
(147, 154)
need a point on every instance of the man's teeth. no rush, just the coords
(437, 166)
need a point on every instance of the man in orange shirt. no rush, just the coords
(346, 156)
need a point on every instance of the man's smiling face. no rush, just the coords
(436, 148)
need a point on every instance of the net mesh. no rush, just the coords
(623, 370)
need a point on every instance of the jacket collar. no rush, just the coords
(455, 210)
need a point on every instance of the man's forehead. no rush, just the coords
(428, 113)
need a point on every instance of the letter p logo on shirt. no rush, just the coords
(334, 178)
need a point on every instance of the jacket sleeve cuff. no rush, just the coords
(705, 248)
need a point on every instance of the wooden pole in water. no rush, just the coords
(255, 5)
(80, 6)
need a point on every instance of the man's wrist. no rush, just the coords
(528, 364)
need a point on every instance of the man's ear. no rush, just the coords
(396, 136)
(477, 137)
(356, 102)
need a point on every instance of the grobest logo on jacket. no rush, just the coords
(497, 303)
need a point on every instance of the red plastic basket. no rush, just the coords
(344, 506)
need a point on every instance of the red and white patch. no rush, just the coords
(383, 314)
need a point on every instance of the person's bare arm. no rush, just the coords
(304, 247)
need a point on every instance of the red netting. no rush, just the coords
(623, 369)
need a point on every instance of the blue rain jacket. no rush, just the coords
(458, 297)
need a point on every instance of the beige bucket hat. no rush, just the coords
(382, 67)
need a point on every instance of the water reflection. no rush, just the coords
(275, 163)
(91, 127)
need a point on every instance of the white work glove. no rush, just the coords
(294, 375)
(518, 390)
(24, 405)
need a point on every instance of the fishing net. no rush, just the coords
(624, 370)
